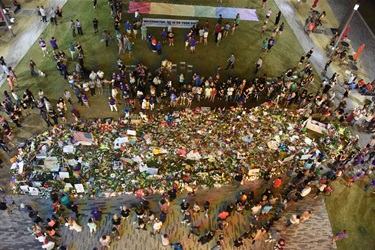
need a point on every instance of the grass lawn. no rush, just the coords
(348, 208)
(352, 209)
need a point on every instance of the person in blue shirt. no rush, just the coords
(128, 28)
(178, 246)
(159, 47)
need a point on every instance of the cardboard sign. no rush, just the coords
(79, 188)
(131, 132)
(120, 142)
(63, 175)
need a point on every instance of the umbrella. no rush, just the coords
(359, 51)
(345, 33)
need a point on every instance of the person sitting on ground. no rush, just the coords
(293, 220)
(305, 216)
(97, 214)
(206, 238)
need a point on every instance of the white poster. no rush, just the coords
(161, 22)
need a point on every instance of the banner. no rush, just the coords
(161, 22)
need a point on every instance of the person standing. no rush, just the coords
(79, 27)
(258, 64)
(281, 29)
(143, 32)
(263, 29)
(112, 104)
(92, 226)
(95, 22)
(43, 14)
(193, 43)
(205, 37)
(45, 118)
(271, 42)
(43, 46)
(231, 60)
(32, 66)
(268, 14)
(309, 53)
(135, 29)
(128, 28)
(171, 38)
(237, 20)
(95, 2)
(52, 13)
(72, 26)
(278, 16)
(68, 96)
(264, 2)
(159, 46)
(72, 50)
(328, 63)
(53, 43)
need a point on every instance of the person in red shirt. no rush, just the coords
(277, 182)
(223, 215)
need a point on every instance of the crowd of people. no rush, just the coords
(188, 148)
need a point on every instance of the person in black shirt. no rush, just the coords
(172, 194)
(53, 115)
(15, 118)
(206, 208)
(238, 243)
(125, 212)
(184, 206)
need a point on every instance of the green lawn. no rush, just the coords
(352, 209)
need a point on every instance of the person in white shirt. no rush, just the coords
(230, 91)
(293, 220)
(105, 241)
(256, 209)
(157, 226)
(205, 36)
(303, 193)
(100, 74)
(15, 97)
(43, 14)
(199, 93)
(165, 240)
(49, 245)
(207, 93)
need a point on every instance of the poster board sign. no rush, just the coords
(33, 191)
(51, 163)
(316, 126)
(131, 132)
(174, 23)
(69, 149)
(79, 188)
(83, 138)
(120, 142)
(63, 175)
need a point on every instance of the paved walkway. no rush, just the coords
(14, 233)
